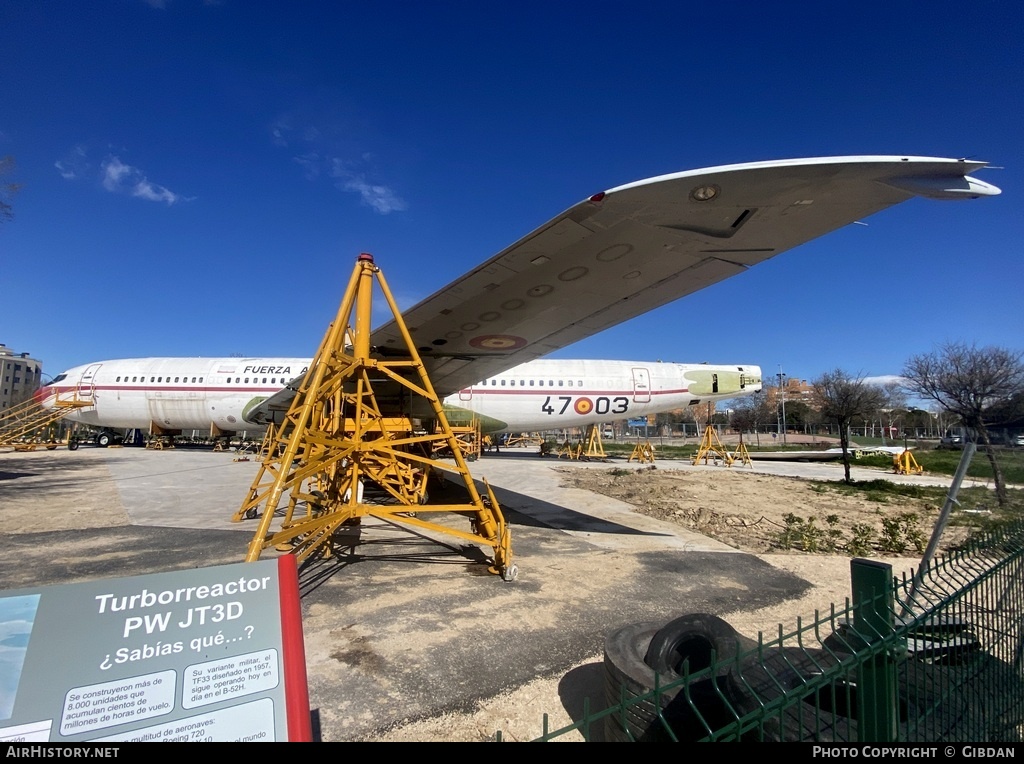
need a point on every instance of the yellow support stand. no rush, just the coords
(742, 455)
(643, 453)
(595, 448)
(906, 464)
(711, 446)
(523, 440)
(349, 429)
(468, 437)
(570, 450)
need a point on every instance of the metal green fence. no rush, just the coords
(932, 657)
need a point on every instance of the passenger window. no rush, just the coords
(118, 379)
(177, 379)
(264, 380)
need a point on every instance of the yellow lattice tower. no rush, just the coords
(711, 446)
(349, 428)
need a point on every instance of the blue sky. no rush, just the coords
(198, 177)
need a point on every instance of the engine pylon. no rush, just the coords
(348, 447)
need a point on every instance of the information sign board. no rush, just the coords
(208, 654)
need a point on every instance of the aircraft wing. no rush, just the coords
(636, 247)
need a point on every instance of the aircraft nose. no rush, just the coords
(42, 395)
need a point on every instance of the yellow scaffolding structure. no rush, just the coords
(349, 428)
(711, 446)
(468, 437)
(22, 425)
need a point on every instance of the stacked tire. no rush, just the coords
(643, 656)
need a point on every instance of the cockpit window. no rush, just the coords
(59, 378)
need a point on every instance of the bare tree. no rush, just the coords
(894, 407)
(969, 382)
(7, 189)
(751, 413)
(843, 398)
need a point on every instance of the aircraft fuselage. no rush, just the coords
(215, 394)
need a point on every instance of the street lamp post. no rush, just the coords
(782, 398)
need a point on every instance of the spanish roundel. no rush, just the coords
(583, 405)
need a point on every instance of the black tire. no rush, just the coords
(627, 677)
(103, 439)
(694, 639)
(72, 445)
(673, 715)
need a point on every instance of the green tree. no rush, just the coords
(971, 383)
(843, 398)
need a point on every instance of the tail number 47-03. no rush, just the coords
(584, 405)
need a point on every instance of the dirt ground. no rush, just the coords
(760, 513)
(745, 510)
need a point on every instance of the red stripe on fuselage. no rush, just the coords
(564, 391)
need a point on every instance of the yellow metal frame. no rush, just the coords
(337, 439)
(570, 450)
(711, 446)
(741, 454)
(21, 425)
(906, 464)
(523, 441)
(595, 448)
(642, 452)
(468, 436)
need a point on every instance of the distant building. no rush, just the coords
(20, 376)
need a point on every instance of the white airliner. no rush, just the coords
(217, 395)
(609, 258)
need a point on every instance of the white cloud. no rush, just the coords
(279, 132)
(114, 173)
(310, 164)
(381, 198)
(73, 165)
(321, 157)
(119, 177)
(885, 379)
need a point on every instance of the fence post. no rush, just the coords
(873, 621)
